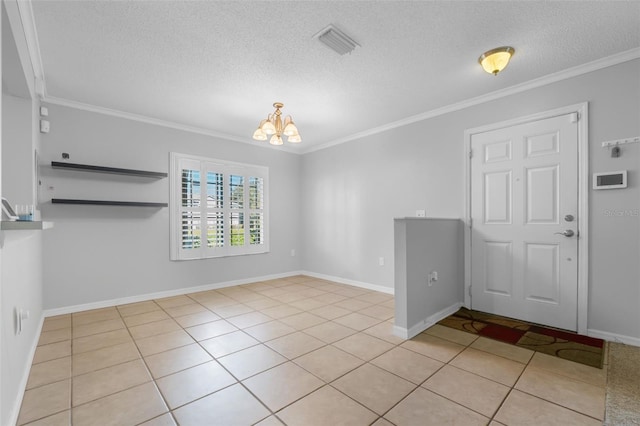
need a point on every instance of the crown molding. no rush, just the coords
(159, 122)
(598, 64)
(29, 28)
(28, 24)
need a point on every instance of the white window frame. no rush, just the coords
(180, 161)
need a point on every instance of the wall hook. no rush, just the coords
(615, 151)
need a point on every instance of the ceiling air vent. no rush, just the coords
(336, 40)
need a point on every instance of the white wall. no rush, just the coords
(20, 251)
(21, 288)
(102, 253)
(21, 270)
(353, 191)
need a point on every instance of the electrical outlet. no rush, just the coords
(421, 213)
(433, 277)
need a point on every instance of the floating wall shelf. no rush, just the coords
(107, 203)
(16, 225)
(109, 170)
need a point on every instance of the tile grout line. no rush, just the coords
(144, 361)
(293, 360)
(289, 360)
(419, 386)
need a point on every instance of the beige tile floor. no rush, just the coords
(294, 351)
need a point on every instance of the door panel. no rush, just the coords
(542, 195)
(539, 145)
(542, 282)
(497, 188)
(498, 268)
(497, 151)
(524, 180)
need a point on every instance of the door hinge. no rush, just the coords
(575, 117)
(470, 153)
(469, 291)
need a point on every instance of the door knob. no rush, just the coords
(567, 233)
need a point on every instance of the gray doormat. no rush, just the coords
(623, 386)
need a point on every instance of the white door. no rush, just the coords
(524, 204)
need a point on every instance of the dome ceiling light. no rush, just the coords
(495, 60)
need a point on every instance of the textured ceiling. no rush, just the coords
(219, 65)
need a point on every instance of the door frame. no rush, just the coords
(582, 109)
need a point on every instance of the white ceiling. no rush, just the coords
(219, 65)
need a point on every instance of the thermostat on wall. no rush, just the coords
(610, 180)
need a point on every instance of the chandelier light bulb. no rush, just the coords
(276, 140)
(268, 127)
(290, 128)
(259, 135)
(294, 139)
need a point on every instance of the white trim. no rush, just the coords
(614, 337)
(21, 38)
(583, 216)
(161, 294)
(25, 9)
(29, 27)
(582, 109)
(164, 123)
(368, 286)
(598, 64)
(430, 321)
(15, 410)
(204, 165)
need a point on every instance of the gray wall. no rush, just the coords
(101, 253)
(423, 246)
(353, 191)
(17, 173)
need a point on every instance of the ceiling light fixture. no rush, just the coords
(495, 60)
(273, 125)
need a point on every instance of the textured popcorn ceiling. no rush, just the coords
(219, 65)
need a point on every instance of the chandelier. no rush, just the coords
(273, 125)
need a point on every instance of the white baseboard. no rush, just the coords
(426, 323)
(15, 410)
(158, 295)
(613, 337)
(161, 294)
(368, 286)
